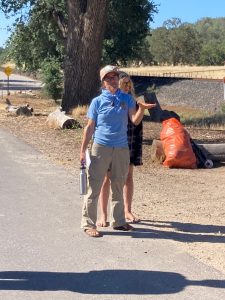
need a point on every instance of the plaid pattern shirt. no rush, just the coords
(135, 138)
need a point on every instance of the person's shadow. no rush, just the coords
(182, 232)
(177, 231)
(130, 282)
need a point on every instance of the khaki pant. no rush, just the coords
(104, 158)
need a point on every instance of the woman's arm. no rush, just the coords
(136, 116)
(88, 133)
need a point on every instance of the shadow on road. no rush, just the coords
(135, 282)
(181, 232)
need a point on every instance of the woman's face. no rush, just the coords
(125, 84)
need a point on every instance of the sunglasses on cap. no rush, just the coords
(123, 75)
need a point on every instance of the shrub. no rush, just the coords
(53, 78)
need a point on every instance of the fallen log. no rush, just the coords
(24, 110)
(58, 119)
(215, 152)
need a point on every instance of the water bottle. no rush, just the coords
(83, 180)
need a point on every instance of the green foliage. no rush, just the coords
(52, 77)
(175, 43)
(2, 55)
(223, 109)
(212, 54)
(126, 30)
(159, 45)
(36, 40)
(212, 34)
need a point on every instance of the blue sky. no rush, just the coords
(4, 23)
(187, 10)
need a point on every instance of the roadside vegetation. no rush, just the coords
(39, 45)
(196, 118)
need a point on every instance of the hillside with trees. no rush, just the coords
(201, 43)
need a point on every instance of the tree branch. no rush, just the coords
(61, 22)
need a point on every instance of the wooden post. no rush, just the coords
(223, 88)
(157, 153)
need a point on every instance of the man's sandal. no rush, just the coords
(102, 224)
(92, 232)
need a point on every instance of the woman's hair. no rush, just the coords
(121, 83)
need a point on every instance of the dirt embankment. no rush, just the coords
(207, 95)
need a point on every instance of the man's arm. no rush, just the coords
(88, 133)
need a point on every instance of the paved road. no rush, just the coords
(44, 255)
(17, 83)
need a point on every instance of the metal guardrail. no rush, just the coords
(18, 86)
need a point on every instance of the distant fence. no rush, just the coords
(198, 74)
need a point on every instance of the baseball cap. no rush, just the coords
(108, 69)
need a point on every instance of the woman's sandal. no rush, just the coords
(92, 232)
(126, 227)
(135, 220)
(132, 219)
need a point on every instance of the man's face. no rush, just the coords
(111, 81)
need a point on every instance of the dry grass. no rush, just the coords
(197, 118)
(79, 111)
(210, 72)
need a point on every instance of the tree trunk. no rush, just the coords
(86, 25)
(155, 112)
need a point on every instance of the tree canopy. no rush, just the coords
(72, 32)
(126, 29)
(127, 25)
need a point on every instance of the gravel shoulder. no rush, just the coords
(185, 206)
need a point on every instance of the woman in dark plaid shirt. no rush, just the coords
(135, 137)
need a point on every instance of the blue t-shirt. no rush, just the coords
(110, 113)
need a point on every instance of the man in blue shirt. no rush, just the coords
(107, 124)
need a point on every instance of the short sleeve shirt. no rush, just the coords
(110, 113)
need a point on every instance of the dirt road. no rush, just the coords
(186, 206)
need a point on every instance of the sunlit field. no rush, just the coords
(209, 72)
